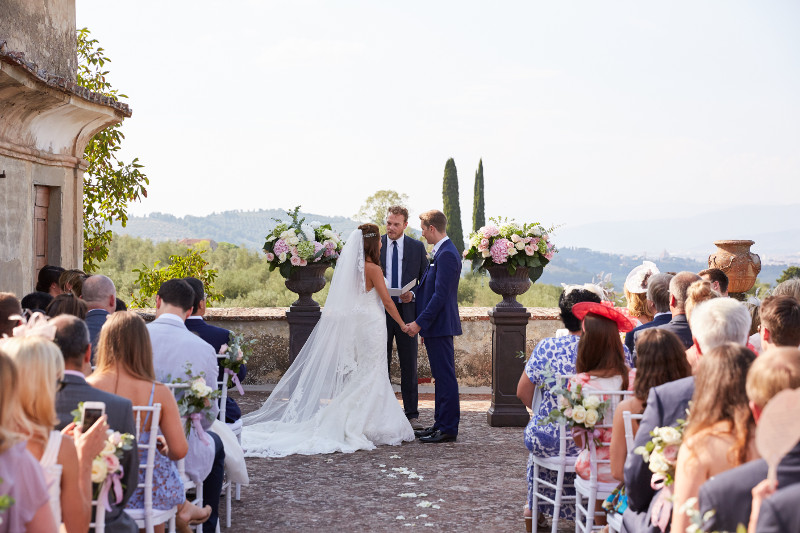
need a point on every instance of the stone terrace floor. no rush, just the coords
(478, 483)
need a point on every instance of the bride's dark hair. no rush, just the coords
(372, 242)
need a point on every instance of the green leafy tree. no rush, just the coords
(192, 263)
(452, 209)
(789, 273)
(375, 207)
(478, 210)
(109, 184)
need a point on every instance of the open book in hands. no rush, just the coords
(395, 293)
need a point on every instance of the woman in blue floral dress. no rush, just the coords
(553, 356)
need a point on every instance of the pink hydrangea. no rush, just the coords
(280, 247)
(490, 231)
(499, 250)
(295, 260)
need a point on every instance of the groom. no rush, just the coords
(437, 322)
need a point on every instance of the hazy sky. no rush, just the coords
(579, 109)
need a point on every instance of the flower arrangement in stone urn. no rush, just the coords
(302, 252)
(514, 255)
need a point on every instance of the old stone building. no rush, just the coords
(46, 121)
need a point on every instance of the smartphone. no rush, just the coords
(92, 411)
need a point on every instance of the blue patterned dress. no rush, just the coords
(559, 355)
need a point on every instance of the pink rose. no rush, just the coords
(530, 250)
(568, 412)
(526, 240)
(270, 256)
(295, 260)
(548, 255)
(303, 262)
(671, 453)
(112, 462)
(223, 348)
(485, 243)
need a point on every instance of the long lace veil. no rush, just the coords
(330, 355)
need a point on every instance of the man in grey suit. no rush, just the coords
(780, 512)
(403, 259)
(100, 296)
(678, 288)
(72, 336)
(729, 493)
(715, 322)
(173, 347)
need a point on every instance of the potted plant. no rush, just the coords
(302, 252)
(514, 255)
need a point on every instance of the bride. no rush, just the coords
(336, 396)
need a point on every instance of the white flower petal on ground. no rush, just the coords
(424, 504)
(421, 495)
(422, 516)
(381, 466)
(394, 457)
(400, 517)
(383, 470)
(428, 524)
(391, 475)
(436, 506)
(441, 500)
(408, 494)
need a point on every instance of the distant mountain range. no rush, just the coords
(585, 251)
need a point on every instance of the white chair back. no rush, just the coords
(628, 418)
(99, 524)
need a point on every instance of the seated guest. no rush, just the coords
(216, 337)
(780, 322)
(716, 322)
(36, 302)
(678, 288)
(557, 354)
(720, 432)
(754, 306)
(636, 292)
(698, 292)
(658, 301)
(717, 278)
(125, 366)
(67, 304)
(71, 282)
(729, 493)
(21, 476)
(9, 306)
(780, 513)
(67, 464)
(72, 337)
(173, 347)
(100, 297)
(47, 280)
(790, 287)
(661, 360)
(121, 306)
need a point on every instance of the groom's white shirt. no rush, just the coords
(439, 244)
(389, 252)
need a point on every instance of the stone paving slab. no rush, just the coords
(478, 483)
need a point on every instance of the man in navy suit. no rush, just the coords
(100, 296)
(437, 322)
(658, 298)
(214, 336)
(403, 259)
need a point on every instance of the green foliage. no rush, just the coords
(451, 206)
(478, 209)
(109, 184)
(376, 206)
(789, 273)
(191, 263)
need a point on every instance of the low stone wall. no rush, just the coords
(473, 348)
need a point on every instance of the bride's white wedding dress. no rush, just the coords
(336, 396)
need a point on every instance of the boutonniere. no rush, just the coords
(431, 255)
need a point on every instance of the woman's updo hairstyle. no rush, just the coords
(372, 242)
(570, 298)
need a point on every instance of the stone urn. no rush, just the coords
(737, 261)
(305, 281)
(508, 286)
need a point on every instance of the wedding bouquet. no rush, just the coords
(107, 470)
(512, 244)
(296, 244)
(236, 353)
(661, 453)
(576, 409)
(195, 401)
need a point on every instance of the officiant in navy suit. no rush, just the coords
(403, 260)
(437, 322)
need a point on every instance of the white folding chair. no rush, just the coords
(613, 519)
(589, 492)
(99, 524)
(147, 518)
(223, 406)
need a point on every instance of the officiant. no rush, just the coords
(403, 260)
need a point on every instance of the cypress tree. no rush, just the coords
(452, 209)
(478, 214)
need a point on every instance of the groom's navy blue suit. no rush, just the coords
(438, 319)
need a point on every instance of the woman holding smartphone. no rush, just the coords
(66, 462)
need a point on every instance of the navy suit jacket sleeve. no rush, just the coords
(637, 473)
(448, 271)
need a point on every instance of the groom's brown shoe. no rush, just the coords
(425, 432)
(416, 425)
(437, 437)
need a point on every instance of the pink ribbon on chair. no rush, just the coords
(112, 481)
(586, 434)
(235, 379)
(195, 418)
(662, 507)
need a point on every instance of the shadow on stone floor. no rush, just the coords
(474, 484)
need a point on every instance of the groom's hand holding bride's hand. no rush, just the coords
(412, 329)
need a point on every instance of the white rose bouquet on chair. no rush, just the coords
(195, 402)
(236, 352)
(579, 411)
(107, 470)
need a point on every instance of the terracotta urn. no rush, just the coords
(508, 286)
(305, 281)
(737, 261)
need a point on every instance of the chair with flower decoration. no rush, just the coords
(614, 519)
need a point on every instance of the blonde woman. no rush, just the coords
(31, 510)
(125, 367)
(698, 292)
(67, 464)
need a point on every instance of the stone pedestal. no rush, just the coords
(301, 321)
(508, 339)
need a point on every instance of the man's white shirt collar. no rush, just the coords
(439, 244)
(169, 317)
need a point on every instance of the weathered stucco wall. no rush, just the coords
(473, 348)
(45, 31)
